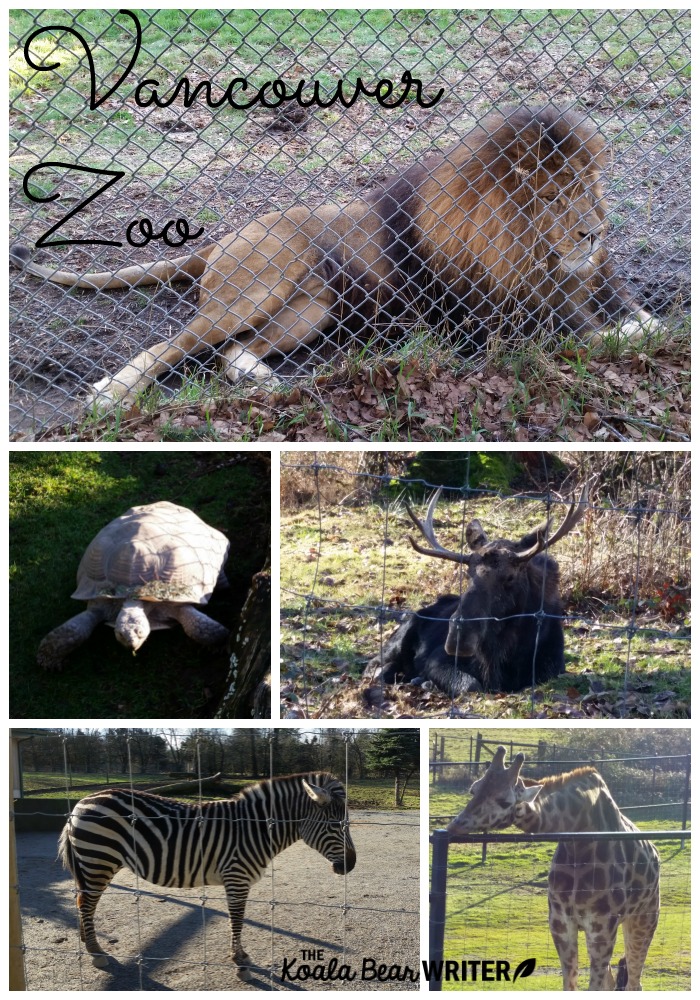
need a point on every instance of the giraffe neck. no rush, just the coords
(576, 802)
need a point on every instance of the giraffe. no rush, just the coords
(594, 886)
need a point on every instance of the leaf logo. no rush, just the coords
(526, 968)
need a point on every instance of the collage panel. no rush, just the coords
(171, 551)
(590, 887)
(490, 584)
(180, 846)
(364, 224)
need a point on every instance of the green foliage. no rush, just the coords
(495, 470)
(396, 751)
(499, 909)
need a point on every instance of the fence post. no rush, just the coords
(16, 964)
(686, 797)
(438, 908)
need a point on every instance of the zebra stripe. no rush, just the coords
(178, 844)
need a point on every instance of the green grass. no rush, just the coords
(499, 910)
(367, 793)
(263, 45)
(324, 580)
(58, 502)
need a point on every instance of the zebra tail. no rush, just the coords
(69, 859)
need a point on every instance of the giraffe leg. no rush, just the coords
(638, 932)
(565, 936)
(237, 886)
(601, 945)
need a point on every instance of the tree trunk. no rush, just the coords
(247, 690)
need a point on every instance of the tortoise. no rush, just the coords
(148, 569)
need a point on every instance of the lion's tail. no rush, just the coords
(187, 268)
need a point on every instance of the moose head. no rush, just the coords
(503, 577)
(503, 632)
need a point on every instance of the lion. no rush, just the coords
(504, 230)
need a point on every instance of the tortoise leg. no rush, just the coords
(199, 626)
(67, 637)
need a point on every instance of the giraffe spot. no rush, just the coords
(595, 878)
(561, 881)
(601, 905)
(618, 897)
(617, 876)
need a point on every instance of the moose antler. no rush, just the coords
(574, 514)
(427, 531)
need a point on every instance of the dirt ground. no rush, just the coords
(176, 940)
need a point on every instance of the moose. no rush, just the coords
(503, 633)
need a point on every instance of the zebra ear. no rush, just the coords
(321, 796)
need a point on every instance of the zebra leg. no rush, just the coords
(237, 886)
(87, 903)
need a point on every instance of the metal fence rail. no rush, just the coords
(197, 130)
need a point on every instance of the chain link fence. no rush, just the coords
(186, 123)
(497, 624)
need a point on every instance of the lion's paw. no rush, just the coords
(241, 363)
(631, 331)
(105, 395)
(640, 327)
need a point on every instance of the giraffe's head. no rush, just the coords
(496, 797)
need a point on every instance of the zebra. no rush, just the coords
(178, 844)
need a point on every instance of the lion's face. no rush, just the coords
(571, 221)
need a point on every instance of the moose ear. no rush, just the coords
(475, 535)
(321, 796)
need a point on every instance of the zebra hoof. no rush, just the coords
(245, 973)
(100, 961)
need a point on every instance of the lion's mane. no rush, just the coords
(458, 237)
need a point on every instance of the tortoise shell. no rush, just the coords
(155, 552)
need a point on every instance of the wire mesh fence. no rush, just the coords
(491, 892)
(370, 628)
(641, 784)
(159, 932)
(484, 269)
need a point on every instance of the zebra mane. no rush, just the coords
(323, 778)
